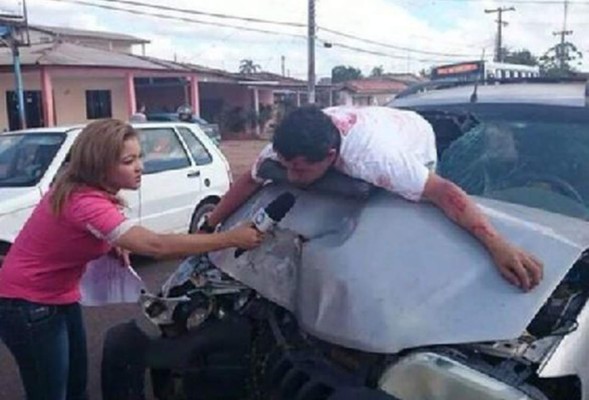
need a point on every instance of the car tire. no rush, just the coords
(201, 211)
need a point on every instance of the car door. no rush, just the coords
(169, 181)
(214, 176)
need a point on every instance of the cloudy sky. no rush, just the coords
(436, 31)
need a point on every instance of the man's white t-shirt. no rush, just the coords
(390, 148)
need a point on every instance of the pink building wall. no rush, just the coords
(234, 95)
(68, 86)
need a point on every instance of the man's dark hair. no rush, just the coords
(306, 132)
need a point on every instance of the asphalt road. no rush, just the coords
(98, 320)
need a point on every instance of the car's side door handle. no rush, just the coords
(193, 174)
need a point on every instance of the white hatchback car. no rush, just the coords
(185, 175)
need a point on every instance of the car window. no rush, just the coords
(160, 118)
(24, 158)
(162, 150)
(448, 126)
(199, 153)
(537, 156)
(199, 121)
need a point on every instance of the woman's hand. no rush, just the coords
(122, 254)
(245, 236)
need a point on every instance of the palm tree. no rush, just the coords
(247, 66)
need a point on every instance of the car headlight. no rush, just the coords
(427, 376)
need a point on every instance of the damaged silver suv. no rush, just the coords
(362, 295)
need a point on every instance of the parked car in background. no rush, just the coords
(185, 175)
(212, 130)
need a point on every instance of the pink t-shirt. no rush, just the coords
(49, 256)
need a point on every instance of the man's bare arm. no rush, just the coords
(517, 266)
(241, 190)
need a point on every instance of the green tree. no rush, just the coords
(522, 57)
(377, 71)
(561, 60)
(247, 66)
(343, 73)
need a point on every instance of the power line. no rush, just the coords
(283, 23)
(452, 43)
(219, 24)
(204, 13)
(178, 18)
(379, 53)
(391, 46)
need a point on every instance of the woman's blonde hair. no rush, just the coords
(96, 150)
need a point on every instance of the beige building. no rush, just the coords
(374, 90)
(369, 92)
(70, 83)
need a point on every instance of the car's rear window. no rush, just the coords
(25, 157)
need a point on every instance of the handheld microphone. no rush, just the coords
(266, 218)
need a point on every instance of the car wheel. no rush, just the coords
(199, 215)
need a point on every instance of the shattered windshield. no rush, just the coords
(24, 158)
(537, 156)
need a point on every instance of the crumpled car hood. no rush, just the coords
(383, 275)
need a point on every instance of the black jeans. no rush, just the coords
(49, 345)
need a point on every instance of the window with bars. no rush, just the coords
(98, 104)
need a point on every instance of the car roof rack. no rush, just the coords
(441, 84)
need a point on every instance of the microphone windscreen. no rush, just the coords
(278, 208)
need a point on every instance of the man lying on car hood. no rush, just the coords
(389, 148)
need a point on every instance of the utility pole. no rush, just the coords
(311, 54)
(19, 83)
(562, 53)
(500, 25)
(13, 34)
(282, 64)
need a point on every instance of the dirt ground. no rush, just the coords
(241, 154)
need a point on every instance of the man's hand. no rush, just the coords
(517, 266)
(238, 193)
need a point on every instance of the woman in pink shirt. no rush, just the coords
(79, 220)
